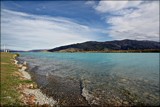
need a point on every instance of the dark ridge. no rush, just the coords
(110, 46)
(80, 85)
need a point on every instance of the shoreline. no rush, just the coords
(122, 96)
(49, 100)
(31, 95)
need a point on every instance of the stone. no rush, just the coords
(135, 101)
(24, 63)
(125, 102)
(8, 97)
(121, 100)
(118, 103)
(15, 62)
(20, 65)
(35, 86)
(31, 86)
(21, 96)
(153, 96)
(123, 80)
(94, 102)
(146, 93)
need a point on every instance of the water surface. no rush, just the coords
(97, 78)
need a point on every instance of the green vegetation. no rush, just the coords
(10, 81)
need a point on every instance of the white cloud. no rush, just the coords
(111, 6)
(28, 31)
(140, 22)
(105, 6)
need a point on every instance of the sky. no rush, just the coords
(27, 25)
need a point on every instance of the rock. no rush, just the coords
(26, 75)
(15, 62)
(31, 100)
(39, 97)
(87, 81)
(108, 100)
(135, 101)
(125, 102)
(31, 86)
(20, 65)
(153, 96)
(112, 100)
(21, 96)
(94, 102)
(145, 80)
(118, 103)
(35, 86)
(123, 80)
(23, 68)
(121, 100)
(8, 97)
(145, 93)
(25, 63)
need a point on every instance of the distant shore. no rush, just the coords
(106, 51)
(110, 51)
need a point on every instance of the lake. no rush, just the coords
(96, 78)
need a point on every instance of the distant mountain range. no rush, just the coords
(111, 46)
(108, 46)
(39, 50)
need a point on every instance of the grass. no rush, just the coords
(10, 96)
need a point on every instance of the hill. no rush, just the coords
(111, 46)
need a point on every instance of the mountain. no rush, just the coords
(110, 46)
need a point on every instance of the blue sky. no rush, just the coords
(30, 25)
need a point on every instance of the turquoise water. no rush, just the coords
(101, 78)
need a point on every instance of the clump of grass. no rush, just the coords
(27, 81)
(17, 54)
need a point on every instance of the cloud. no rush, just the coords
(107, 6)
(27, 31)
(112, 6)
(131, 19)
(91, 3)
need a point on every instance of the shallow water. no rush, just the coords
(97, 78)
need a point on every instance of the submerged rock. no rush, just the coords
(125, 102)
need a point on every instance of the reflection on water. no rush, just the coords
(97, 78)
